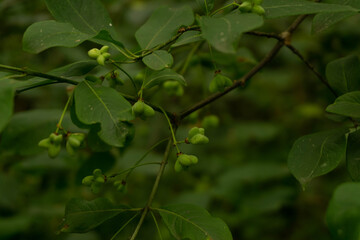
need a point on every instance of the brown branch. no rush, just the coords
(312, 68)
(265, 34)
(285, 39)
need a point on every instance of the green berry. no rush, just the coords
(148, 111)
(184, 159)
(55, 138)
(178, 167)
(54, 150)
(245, 7)
(222, 82)
(194, 131)
(94, 53)
(45, 143)
(199, 139)
(70, 149)
(104, 49)
(101, 60)
(100, 179)
(193, 159)
(213, 87)
(106, 55)
(258, 10)
(88, 180)
(138, 108)
(97, 172)
(210, 121)
(73, 141)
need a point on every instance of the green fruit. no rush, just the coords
(193, 159)
(194, 131)
(73, 141)
(54, 150)
(70, 149)
(101, 60)
(97, 172)
(148, 111)
(210, 121)
(178, 167)
(55, 138)
(258, 10)
(179, 91)
(213, 87)
(184, 159)
(104, 49)
(106, 55)
(45, 143)
(171, 85)
(138, 108)
(199, 139)
(245, 7)
(94, 53)
(88, 180)
(222, 82)
(100, 179)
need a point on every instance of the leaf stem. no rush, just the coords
(154, 190)
(172, 130)
(222, 8)
(63, 114)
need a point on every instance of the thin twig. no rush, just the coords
(265, 34)
(312, 68)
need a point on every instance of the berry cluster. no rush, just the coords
(252, 6)
(101, 55)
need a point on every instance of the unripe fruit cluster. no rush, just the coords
(219, 83)
(173, 88)
(52, 143)
(183, 161)
(142, 110)
(95, 181)
(252, 6)
(101, 55)
(197, 136)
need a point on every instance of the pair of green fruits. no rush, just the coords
(54, 141)
(101, 55)
(142, 110)
(195, 136)
(252, 6)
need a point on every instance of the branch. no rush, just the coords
(154, 190)
(312, 68)
(264, 34)
(285, 39)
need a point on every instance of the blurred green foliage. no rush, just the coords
(242, 175)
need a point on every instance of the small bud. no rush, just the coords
(246, 7)
(199, 139)
(106, 55)
(178, 167)
(138, 108)
(101, 60)
(148, 111)
(45, 143)
(54, 150)
(55, 138)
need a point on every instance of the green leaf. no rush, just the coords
(167, 74)
(187, 221)
(188, 37)
(158, 60)
(283, 8)
(353, 155)
(7, 92)
(343, 213)
(43, 35)
(88, 16)
(206, 5)
(104, 38)
(317, 154)
(346, 105)
(83, 216)
(224, 32)
(322, 21)
(163, 25)
(95, 104)
(344, 74)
